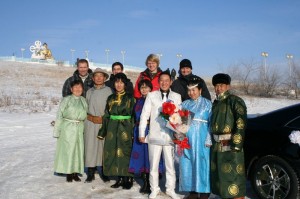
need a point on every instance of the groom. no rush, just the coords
(159, 138)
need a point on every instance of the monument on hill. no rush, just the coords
(40, 51)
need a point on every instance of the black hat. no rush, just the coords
(221, 78)
(185, 63)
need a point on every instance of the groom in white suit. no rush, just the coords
(159, 138)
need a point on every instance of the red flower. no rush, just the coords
(168, 108)
(181, 113)
(183, 144)
(186, 113)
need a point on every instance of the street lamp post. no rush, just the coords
(22, 51)
(179, 56)
(107, 53)
(159, 55)
(72, 56)
(290, 57)
(265, 55)
(86, 54)
(123, 56)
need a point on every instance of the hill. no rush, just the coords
(33, 87)
(37, 88)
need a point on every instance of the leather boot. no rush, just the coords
(69, 178)
(76, 178)
(119, 183)
(148, 190)
(144, 178)
(160, 175)
(128, 182)
(192, 195)
(103, 177)
(204, 195)
(90, 175)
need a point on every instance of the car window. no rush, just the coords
(294, 123)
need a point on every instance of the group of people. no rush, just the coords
(104, 123)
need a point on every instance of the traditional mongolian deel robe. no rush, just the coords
(194, 162)
(139, 161)
(69, 132)
(228, 123)
(96, 99)
(117, 128)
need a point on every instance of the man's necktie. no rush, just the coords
(164, 97)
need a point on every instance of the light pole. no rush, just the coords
(159, 55)
(107, 53)
(179, 56)
(22, 51)
(86, 54)
(72, 56)
(123, 56)
(290, 57)
(265, 55)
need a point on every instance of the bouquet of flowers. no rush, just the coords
(178, 120)
(295, 137)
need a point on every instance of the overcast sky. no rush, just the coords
(212, 34)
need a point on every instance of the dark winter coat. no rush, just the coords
(87, 84)
(180, 86)
(110, 83)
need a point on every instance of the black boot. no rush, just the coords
(146, 185)
(69, 178)
(103, 177)
(76, 178)
(128, 182)
(192, 195)
(119, 183)
(147, 190)
(160, 176)
(144, 178)
(204, 195)
(90, 175)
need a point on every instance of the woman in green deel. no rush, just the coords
(117, 129)
(68, 130)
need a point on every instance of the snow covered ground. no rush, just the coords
(27, 146)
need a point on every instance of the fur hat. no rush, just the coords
(185, 63)
(221, 78)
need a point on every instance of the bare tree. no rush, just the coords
(249, 70)
(295, 79)
(244, 72)
(267, 82)
(292, 80)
